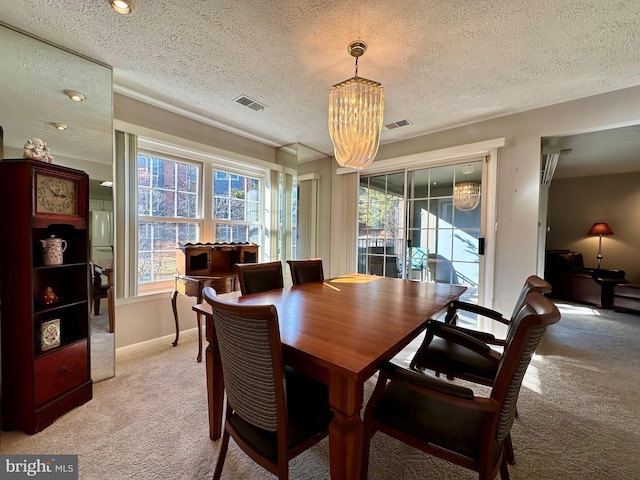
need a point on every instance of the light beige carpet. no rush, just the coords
(102, 345)
(579, 416)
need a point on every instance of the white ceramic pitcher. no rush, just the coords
(52, 249)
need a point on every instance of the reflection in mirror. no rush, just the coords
(33, 104)
(288, 196)
(304, 202)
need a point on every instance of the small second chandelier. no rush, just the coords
(466, 195)
(356, 110)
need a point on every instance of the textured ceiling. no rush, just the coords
(442, 63)
(33, 78)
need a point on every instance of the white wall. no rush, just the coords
(324, 168)
(95, 170)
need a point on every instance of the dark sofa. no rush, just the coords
(571, 281)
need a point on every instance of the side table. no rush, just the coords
(191, 286)
(607, 290)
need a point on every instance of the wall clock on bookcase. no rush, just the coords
(57, 193)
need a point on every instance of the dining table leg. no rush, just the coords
(345, 430)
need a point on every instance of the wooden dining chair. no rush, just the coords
(533, 283)
(464, 353)
(304, 271)
(449, 421)
(259, 277)
(273, 412)
(448, 349)
(98, 290)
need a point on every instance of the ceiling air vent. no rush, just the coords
(399, 123)
(250, 103)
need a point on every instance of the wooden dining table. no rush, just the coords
(338, 331)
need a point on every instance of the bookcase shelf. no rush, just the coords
(44, 346)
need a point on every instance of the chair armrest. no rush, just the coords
(472, 307)
(424, 381)
(485, 337)
(480, 310)
(602, 273)
(456, 335)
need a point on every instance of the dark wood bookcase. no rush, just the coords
(42, 381)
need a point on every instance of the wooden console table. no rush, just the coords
(202, 265)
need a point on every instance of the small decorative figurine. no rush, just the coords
(36, 149)
(48, 297)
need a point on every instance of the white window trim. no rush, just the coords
(209, 161)
(488, 148)
(431, 158)
(179, 146)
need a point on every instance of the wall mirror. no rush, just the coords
(33, 79)
(304, 198)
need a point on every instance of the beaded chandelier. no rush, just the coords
(356, 110)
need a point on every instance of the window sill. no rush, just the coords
(155, 288)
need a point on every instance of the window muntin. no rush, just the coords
(168, 199)
(380, 222)
(236, 208)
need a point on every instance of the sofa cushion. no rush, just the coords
(571, 260)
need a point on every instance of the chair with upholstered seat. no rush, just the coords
(259, 277)
(273, 413)
(450, 421)
(304, 271)
(533, 283)
(99, 291)
(465, 353)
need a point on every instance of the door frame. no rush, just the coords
(456, 154)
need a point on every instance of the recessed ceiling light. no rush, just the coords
(60, 126)
(75, 96)
(124, 7)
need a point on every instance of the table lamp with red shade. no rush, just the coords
(600, 229)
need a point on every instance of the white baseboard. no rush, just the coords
(154, 342)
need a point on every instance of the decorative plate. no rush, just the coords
(50, 334)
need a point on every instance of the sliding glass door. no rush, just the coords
(424, 225)
(381, 232)
(443, 228)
